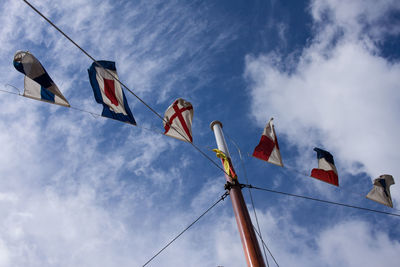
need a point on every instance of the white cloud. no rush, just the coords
(340, 93)
(349, 242)
(356, 243)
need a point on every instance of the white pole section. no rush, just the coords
(247, 235)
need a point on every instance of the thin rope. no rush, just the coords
(8, 92)
(16, 88)
(265, 245)
(126, 87)
(323, 201)
(251, 195)
(187, 228)
(95, 115)
(340, 189)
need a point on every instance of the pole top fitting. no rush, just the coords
(213, 123)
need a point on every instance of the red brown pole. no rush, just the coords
(250, 244)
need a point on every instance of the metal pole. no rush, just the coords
(250, 244)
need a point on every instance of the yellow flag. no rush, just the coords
(227, 163)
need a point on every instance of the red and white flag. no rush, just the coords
(178, 120)
(326, 170)
(268, 148)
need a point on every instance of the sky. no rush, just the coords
(82, 190)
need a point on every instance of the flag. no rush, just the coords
(381, 190)
(226, 162)
(326, 168)
(178, 120)
(37, 83)
(268, 148)
(107, 91)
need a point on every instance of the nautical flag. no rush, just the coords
(268, 148)
(107, 91)
(381, 190)
(37, 83)
(326, 168)
(178, 120)
(226, 162)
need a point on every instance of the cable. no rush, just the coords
(187, 228)
(12, 86)
(308, 176)
(265, 245)
(9, 92)
(251, 196)
(129, 90)
(95, 115)
(320, 200)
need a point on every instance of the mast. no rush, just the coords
(250, 244)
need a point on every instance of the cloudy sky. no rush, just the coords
(81, 190)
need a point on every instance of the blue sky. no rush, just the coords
(76, 190)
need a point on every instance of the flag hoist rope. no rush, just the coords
(126, 87)
(95, 115)
(337, 188)
(319, 200)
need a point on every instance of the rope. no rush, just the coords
(337, 188)
(12, 86)
(129, 90)
(251, 195)
(8, 92)
(265, 245)
(187, 228)
(323, 201)
(95, 115)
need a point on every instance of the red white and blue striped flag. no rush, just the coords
(108, 92)
(326, 170)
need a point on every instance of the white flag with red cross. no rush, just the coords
(178, 120)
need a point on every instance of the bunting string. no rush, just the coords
(95, 115)
(123, 85)
(320, 200)
(336, 188)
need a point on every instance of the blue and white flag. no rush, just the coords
(37, 84)
(107, 91)
(381, 191)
